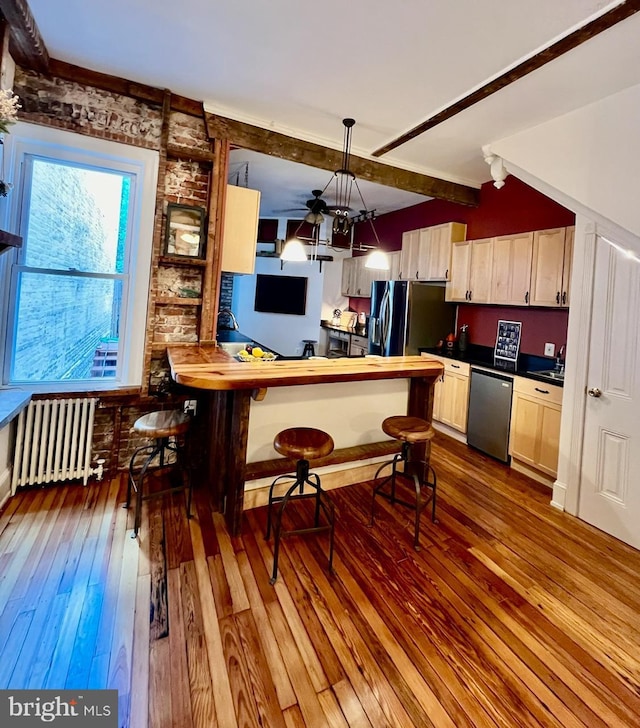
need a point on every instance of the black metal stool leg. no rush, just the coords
(416, 533)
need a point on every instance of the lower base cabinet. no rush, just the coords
(451, 394)
(535, 424)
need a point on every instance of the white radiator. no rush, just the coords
(53, 441)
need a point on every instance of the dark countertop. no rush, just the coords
(12, 402)
(527, 364)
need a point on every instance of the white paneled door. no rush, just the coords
(610, 482)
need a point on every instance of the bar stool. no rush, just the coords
(162, 426)
(408, 430)
(303, 443)
(309, 347)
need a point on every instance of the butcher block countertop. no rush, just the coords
(208, 367)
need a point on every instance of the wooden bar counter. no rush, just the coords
(227, 386)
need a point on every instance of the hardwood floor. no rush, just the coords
(512, 614)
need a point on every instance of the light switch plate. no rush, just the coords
(549, 349)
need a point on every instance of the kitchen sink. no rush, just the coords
(549, 374)
(233, 347)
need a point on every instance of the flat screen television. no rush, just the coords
(281, 294)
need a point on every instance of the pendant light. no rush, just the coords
(344, 180)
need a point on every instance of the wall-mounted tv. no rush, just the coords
(281, 294)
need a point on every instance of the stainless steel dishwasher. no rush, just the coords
(490, 413)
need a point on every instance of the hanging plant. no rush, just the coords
(9, 105)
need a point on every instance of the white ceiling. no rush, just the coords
(300, 67)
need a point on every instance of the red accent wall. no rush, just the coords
(538, 325)
(515, 208)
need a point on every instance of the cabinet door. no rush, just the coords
(348, 276)
(511, 269)
(534, 437)
(240, 237)
(567, 264)
(437, 399)
(547, 266)
(480, 271)
(409, 255)
(423, 258)
(458, 285)
(394, 265)
(439, 250)
(455, 401)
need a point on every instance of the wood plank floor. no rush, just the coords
(511, 614)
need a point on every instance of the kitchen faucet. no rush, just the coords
(560, 360)
(229, 313)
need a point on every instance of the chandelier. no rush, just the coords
(344, 181)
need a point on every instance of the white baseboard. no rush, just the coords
(456, 434)
(559, 495)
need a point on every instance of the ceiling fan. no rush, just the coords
(316, 206)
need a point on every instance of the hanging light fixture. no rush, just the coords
(344, 180)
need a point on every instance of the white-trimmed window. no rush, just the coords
(75, 294)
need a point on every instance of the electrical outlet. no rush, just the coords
(549, 349)
(190, 406)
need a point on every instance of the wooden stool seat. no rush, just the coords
(164, 427)
(410, 431)
(166, 423)
(303, 443)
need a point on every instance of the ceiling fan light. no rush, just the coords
(377, 260)
(314, 218)
(293, 251)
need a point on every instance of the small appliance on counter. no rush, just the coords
(463, 339)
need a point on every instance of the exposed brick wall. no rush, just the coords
(54, 102)
(87, 110)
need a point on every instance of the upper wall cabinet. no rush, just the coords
(551, 267)
(511, 271)
(426, 253)
(241, 212)
(357, 279)
(471, 263)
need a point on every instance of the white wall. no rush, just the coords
(281, 332)
(591, 155)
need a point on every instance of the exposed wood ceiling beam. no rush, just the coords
(140, 91)
(564, 45)
(26, 46)
(279, 145)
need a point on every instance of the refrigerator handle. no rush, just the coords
(374, 330)
(384, 320)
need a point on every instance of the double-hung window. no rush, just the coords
(76, 292)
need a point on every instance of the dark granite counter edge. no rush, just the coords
(483, 357)
(12, 402)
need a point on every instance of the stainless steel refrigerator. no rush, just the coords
(408, 315)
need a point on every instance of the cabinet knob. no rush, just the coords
(594, 392)
(558, 297)
(564, 297)
(446, 273)
(470, 292)
(526, 297)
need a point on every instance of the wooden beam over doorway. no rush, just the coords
(564, 45)
(282, 146)
(26, 44)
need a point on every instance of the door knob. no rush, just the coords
(594, 392)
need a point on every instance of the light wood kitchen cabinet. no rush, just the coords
(409, 255)
(357, 278)
(511, 271)
(394, 265)
(534, 436)
(240, 237)
(426, 253)
(451, 394)
(348, 276)
(471, 267)
(435, 250)
(552, 251)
